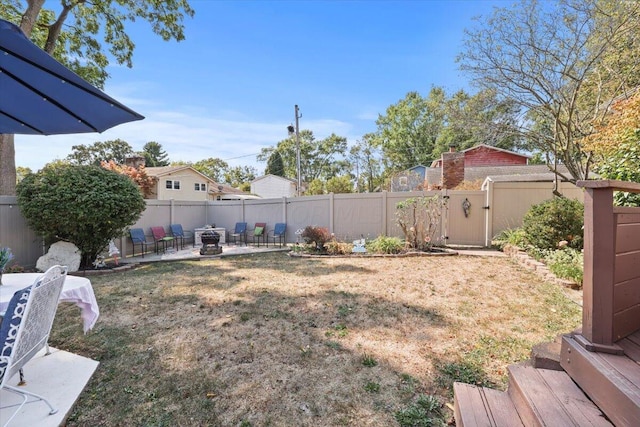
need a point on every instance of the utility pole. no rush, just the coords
(291, 130)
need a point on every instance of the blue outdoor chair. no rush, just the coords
(239, 233)
(179, 235)
(138, 238)
(278, 233)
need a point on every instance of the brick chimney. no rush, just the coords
(452, 168)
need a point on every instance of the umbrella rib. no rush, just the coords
(45, 97)
(21, 122)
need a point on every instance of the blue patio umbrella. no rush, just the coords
(40, 96)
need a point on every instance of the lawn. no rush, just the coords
(269, 340)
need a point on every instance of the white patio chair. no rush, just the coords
(25, 329)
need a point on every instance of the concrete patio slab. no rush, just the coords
(60, 377)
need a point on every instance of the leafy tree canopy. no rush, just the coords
(80, 36)
(101, 151)
(318, 158)
(554, 60)
(85, 205)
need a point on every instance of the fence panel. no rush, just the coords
(25, 244)
(356, 215)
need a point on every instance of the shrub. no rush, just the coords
(550, 222)
(419, 218)
(385, 245)
(510, 236)
(316, 235)
(85, 205)
(334, 247)
(566, 263)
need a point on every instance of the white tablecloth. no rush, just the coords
(76, 289)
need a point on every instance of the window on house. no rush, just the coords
(175, 185)
(200, 187)
(197, 186)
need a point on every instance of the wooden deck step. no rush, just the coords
(611, 381)
(545, 397)
(478, 406)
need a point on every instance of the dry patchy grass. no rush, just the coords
(271, 340)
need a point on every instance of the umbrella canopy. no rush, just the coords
(40, 96)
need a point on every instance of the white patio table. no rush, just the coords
(76, 289)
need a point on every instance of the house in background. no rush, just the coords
(273, 186)
(180, 183)
(486, 155)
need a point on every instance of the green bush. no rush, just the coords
(510, 236)
(552, 221)
(84, 205)
(385, 245)
(566, 263)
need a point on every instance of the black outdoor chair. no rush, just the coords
(138, 238)
(259, 233)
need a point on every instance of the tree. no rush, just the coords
(105, 151)
(315, 188)
(482, 118)
(549, 58)
(154, 155)
(408, 132)
(365, 158)
(76, 44)
(212, 167)
(85, 205)
(616, 147)
(239, 175)
(139, 176)
(21, 172)
(339, 184)
(275, 165)
(318, 158)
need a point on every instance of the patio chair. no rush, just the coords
(161, 239)
(239, 233)
(138, 238)
(278, 233)
(25, 330)
(179, 235)
(259, 232)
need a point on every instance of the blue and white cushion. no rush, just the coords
(10, 325)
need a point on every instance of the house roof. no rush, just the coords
(274, 176)
(515, 173)
(161, 171)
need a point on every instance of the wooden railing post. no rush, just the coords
(599, 280)
(599, 263)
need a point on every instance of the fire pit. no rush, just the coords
(210, 240)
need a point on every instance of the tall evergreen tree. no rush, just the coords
(154, 155)
(275, 165)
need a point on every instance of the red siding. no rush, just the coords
(483, 156)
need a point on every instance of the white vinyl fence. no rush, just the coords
(349, 216)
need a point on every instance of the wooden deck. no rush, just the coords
(600, 381)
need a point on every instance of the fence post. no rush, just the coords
(385, 229)
(331, 208)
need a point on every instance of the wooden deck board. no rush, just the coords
(607, 379)
(582, 410)
(483, 407)
(533, 399)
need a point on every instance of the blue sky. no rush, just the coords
(230, 88)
